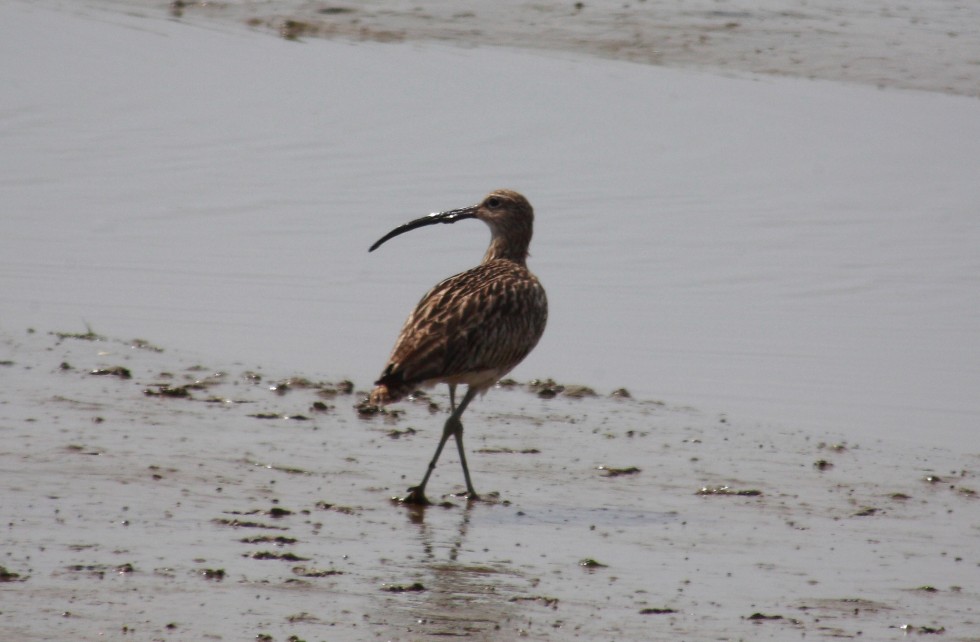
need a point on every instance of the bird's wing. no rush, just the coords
(487, 318)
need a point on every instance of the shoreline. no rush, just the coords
(928, 46)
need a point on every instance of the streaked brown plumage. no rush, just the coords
(473, 328)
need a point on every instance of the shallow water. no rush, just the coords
(796, 253)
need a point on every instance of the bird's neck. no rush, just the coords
(500, 249)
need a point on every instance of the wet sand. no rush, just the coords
(150, 496)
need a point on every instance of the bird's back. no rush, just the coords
(472, 328)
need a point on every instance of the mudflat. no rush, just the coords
(147, 495)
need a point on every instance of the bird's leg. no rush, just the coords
(458, 433)
(416, 494)
(454, 427)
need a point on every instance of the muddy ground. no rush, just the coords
(931, 45)
(150, 496)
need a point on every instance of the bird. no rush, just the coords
(472, 328)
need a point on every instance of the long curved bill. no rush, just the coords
(436, 217)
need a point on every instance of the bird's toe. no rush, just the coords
(416, 497)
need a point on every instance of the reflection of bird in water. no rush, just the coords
(472, 328)
(468, 593)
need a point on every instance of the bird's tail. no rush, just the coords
(381, 396)
(391, 387)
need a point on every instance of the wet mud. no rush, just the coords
(929, 45)
(220, 501)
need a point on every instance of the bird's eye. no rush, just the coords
(493, 202)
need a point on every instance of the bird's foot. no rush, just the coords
(416, 497)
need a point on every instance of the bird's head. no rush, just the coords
(508, 214)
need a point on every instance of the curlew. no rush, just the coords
(472, 328)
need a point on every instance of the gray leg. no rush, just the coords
(454, 427)
(458, 432)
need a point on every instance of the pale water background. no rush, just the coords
(800, 253)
